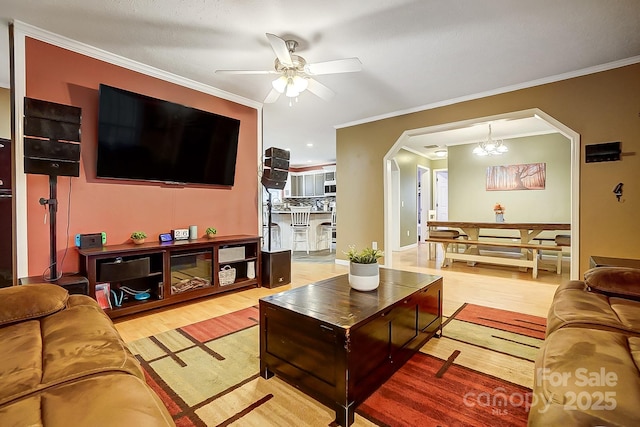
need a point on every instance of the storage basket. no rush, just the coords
(227, 275)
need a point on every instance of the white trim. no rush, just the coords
(18, 75)
(407, 247)
(111, 58)
(545, 80)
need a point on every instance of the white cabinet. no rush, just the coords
(307, 184)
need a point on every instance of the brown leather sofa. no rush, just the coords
(587, 372)
(62, 363)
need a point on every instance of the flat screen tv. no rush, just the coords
(148, 139)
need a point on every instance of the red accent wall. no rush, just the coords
(120, 207)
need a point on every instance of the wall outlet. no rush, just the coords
(374, 245)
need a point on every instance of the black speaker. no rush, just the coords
(44, 119)
(276, 268)
(276, 168)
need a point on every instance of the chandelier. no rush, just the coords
(490, 147)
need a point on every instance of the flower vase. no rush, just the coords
(364, 277)
(499, 217)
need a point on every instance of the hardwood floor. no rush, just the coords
(493, 286)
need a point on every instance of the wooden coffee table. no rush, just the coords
(338, 345)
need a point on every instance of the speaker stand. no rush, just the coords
(52, 203)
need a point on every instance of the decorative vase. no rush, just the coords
(138, 241)
(364, 277)
(211, 235)
(251, 270)
(499, 217)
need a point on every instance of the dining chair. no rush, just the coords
(327, 230)
(300, 225)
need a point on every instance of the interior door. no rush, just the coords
(442, 195)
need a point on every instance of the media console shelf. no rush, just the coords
(171, 272)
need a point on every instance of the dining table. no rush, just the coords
(528, 230)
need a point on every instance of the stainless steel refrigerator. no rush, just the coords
(6, 215)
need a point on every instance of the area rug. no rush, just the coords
(207, 375)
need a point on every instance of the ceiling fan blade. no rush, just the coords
(246, 72)
(272, 97)
(279, 46)
(320, 90)
(347, 65)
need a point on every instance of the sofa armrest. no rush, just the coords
(19, 303)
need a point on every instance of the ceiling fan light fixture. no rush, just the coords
(280, 84)
(300, 83)
(291, 92)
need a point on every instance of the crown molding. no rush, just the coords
(545, 80)
(111, 58)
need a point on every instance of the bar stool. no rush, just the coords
(300, 225)
(275, 230)
(563, 240)
(327, 229)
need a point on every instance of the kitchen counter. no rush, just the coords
(283, 219)
(286, 211)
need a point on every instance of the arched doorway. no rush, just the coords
(572, 136)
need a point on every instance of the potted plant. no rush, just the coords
(364, 271)
(138, 237)
(211, 232)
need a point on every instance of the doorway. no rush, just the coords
(572, 136)
(423, 201)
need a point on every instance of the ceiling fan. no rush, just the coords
(295, 74)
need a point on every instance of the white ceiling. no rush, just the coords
(413, 53)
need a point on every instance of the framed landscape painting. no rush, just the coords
(528, 176)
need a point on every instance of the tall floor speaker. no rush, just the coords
(276, 268)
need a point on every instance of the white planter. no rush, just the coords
(364, 277)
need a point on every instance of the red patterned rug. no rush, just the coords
(207, 375)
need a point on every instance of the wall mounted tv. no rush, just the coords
(148, 139)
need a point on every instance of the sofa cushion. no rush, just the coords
(18, 303)
(616, 281)
(77, 342)
(97, 401)
(574, 306)
(587, 377)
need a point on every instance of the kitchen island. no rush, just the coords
(283, 219)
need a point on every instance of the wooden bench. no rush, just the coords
(492, 259)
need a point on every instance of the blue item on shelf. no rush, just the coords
(142, 296)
